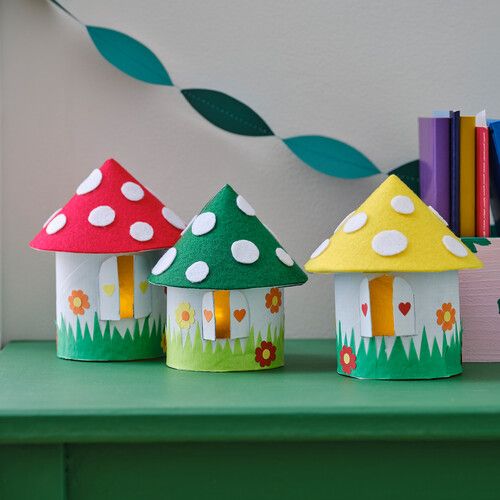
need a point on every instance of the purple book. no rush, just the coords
(434, 154)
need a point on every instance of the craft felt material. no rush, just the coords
(434, 163)
(482, 177)
(480, 299)
(467, 176)
(455, 171)
(225, 279)
(396, 287)
(106, 239)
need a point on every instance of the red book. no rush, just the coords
(482, 177)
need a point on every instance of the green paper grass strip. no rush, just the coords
(109, 344)
(326, 155)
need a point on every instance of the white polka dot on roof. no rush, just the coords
(141, 231)
(244, 206)
(132, 191)
(244, 252)
(454, 246)
(284, 257)
(438, 215)
(173, 218)
(355, 222)
(343, 220)
(165, 261)
(402, 205)
(203, 223)
(387, 243)
(197, 272)
(51, 217)
(320, 249)
(90, 183)
(56, 224)
(101, 216)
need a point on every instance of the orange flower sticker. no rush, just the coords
(78, 302)
(265, 354)
(273, 300)
(347, 360)
(446, 317)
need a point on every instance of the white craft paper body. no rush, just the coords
(259, 316)
(430, 292)
(81, 272)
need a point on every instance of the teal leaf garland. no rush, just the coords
(226, 112)
(331, 156)
(410, 175)
(129, 55)
(324, 154)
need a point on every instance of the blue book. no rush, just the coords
(494, 127)
(455, 171)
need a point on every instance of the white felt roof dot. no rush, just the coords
(132, 191)
(101, 216)
(244, 206)
(203, 223)
(403, 205)
(165, 261)
(141, 231)
(197, 272)
(56, 224)
(454, 246)
(343, 220)
(90, 183)
(387, 243)
(51, 217)
(244, 251)
(284, 257)
(438, 215)
(173, 218)
(320, 249)
(355, 222)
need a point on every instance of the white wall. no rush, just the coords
(360, 71)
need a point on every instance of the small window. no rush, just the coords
(225, 315)
(124, 291)
(387, 307)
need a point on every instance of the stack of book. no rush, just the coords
(455, 169)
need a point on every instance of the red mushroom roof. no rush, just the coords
(111, 212)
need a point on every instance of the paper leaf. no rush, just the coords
(129, 55)
(226, 112)
(331, 157)
(472, 242)
(410, 175)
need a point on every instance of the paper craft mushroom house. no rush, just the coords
(225, 298)
(106, 239)
(396, 288)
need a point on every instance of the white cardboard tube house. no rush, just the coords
(225, 298)
(106, 239)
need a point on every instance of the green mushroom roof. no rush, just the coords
(226, 247)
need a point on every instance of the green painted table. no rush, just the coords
(139, 430)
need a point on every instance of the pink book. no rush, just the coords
(482, 177)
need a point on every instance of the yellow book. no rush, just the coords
(467, 176)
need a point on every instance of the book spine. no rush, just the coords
(434, 163)
(455, 171)
(482, 183)
(467, 176)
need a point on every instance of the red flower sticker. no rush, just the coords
(265, 354)
(347, 360)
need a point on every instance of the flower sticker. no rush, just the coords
(184, 315)
(273, 300)
(78, 302)
(446, 317)
(347, 360)
(265, 354)
(164, 342)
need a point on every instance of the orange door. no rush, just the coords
(381, 297)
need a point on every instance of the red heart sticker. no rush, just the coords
(404, 307)
(364, 308)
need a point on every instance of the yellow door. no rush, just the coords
(126, 283)
(222, 314)
(382, 315)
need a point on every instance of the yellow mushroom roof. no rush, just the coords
(393, 230)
